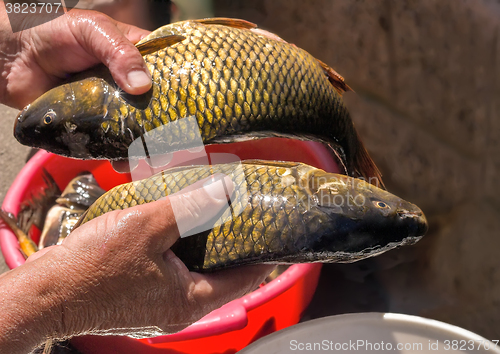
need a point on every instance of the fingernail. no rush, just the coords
(215, 187)
(138, 79)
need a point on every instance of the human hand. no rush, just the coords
(116, 274)
(132, 283)
(36, 59)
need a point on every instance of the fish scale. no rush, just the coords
(275, 216)
(256, 225)
(239, 93)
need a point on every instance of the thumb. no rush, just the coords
(201, 203)
(111, 45)
(191, 210)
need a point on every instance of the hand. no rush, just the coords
(34, 60)
(116, 274)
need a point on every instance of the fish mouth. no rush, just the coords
(416, 219)
(404, 213)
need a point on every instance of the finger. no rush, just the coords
(110, 45)
(18, 97)
(132, 33)
(221, 287)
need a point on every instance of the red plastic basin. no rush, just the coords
(272, 307)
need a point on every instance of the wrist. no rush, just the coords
(27, 310)
(37, 301)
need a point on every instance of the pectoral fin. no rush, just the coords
(156, 44)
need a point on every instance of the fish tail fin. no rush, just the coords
(9, 219)
(26, 244)
(365, 166)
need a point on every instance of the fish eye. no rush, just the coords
(49, 117)
(381, 205)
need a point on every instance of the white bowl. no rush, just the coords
(373, 333)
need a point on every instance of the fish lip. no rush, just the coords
(421, 227)
(404, 213)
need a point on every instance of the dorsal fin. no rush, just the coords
(225, 21)
(335, 79)
(156, 44)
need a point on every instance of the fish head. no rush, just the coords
(62, 119)
(364, 216)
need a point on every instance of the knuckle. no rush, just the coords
(99, 31)
(192, 206)
(123, 53)
(84, 20)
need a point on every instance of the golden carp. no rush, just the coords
(52, 212)
(280, 213)
(59, 222)
(80, 193)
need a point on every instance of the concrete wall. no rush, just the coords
(12, 157)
